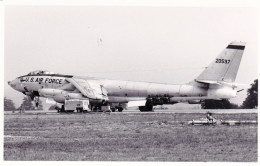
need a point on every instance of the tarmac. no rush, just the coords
(165, 111)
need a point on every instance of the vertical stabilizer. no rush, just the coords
(225, 66)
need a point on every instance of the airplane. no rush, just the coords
(215, 82)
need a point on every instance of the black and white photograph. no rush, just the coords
(130, 82)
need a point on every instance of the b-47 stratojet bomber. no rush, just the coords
(215, 82)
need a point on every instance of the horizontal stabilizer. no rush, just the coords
(208, 82)
(232, 84)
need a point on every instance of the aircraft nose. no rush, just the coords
(12, 83)
(16, 85)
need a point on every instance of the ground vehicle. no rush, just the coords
(76, 104)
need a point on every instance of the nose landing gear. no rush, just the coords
(37, 102)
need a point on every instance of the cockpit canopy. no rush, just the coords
(46, 73)
(40, 72)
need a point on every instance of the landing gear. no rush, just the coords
(106, 108)
(96, 108)
(113, 109)
(36, 99)
(120, 109)
(148, 108)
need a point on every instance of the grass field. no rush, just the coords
(128, 137)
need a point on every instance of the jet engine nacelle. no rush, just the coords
(50, 92)
(59, 95)
(60, 98)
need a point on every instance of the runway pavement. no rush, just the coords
(168, 111)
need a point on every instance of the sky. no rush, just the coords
(165, 44)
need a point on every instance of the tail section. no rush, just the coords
(225, 66)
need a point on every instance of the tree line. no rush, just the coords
(250, 102)
(27, 104)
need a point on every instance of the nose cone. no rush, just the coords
(13, 83)
(16, 85)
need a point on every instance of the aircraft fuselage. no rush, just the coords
(215, 82)
(117, 91)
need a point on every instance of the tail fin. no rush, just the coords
(225, 66)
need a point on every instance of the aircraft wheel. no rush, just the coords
(146, 108)
(94, 109)
(113, 109)
(149, 108)
(142, 108)
(120, 109)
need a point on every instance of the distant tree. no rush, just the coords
(251, 100)
(27, 104)
(8, 105)
(218, 104)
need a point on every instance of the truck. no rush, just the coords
(76, 104)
